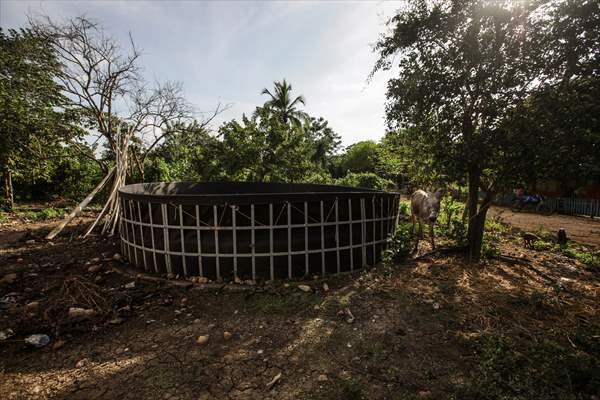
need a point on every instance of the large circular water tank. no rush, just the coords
(223, 230)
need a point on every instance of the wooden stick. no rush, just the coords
(79, 207)
(107, 205)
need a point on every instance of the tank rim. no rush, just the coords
(186, 189)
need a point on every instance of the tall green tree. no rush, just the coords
(325, 141)
(461, 66)
(263, 148)
(33, 119)
(360, 157)
(283, 105)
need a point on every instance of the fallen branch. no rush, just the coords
(77, 210)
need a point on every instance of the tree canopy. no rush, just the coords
(36, 117)
(463, 68)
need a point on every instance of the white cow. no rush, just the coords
(425, 207)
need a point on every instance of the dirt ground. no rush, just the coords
(411, 331)
(580, 229)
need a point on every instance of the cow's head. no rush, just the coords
(432, 204)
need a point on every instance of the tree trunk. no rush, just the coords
(8, 189)
(476, 219)
(477, 216)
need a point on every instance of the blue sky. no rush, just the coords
(228, 51)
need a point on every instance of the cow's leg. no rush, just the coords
(432, 235)
(413, 219)
(416, 233)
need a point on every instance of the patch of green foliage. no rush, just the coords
(541, 245)
(366, 180)
(450, 222)
(401, 245)
(42, 215)
(592, 260)
(404, 208)
(545, 370)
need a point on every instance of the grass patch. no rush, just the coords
(543, 370)
(591, 260)
(541, 245)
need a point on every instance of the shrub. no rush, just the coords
(541, 245)
(590, 259)
(450, 222)
(402, 243)
(491, 245)
(365, 180)
(404, 208)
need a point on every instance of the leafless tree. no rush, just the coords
(105, 83)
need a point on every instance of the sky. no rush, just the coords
(227, 52)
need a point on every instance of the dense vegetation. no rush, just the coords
(486, 95)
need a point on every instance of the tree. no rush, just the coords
(360, 157)
(104, 83)
(34, 119)
(324, 141)
(559, 128)
(282, 105)
(462, 66)
(263, 148)
(190, 153)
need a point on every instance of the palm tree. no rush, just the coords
(281, 103)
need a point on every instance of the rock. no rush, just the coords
(325, 287)
(117, 257)
(81, 313)
(250, 282)
(37, 340)
(170, 276)
(305, 288)
(322, 378)
(130, 285)
(227, 335)
(30, 241)
(9, 278)
(436, 306)
(58, 344)
(20, 260)
(237, 280)
(202, 339)
(184, 302)
(116, 321)
(201, 279)
(82, 363)
(95, 260)
(95, 268)
(259, 352)
(5, 334)
(32, 307)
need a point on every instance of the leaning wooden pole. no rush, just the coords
(80, 206)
